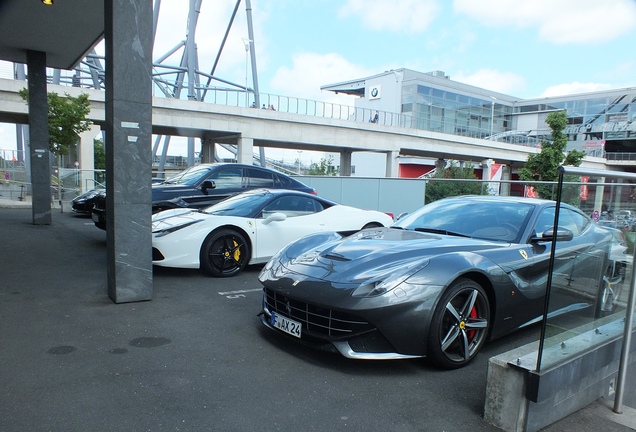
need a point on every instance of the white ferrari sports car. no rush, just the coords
(249, 228)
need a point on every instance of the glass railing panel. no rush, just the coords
(588, 280)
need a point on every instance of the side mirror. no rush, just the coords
(275, 217)
(208, 184)
(562, 234)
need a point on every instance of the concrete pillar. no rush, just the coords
(504, 188)
(440, 164)
(599, 195)
(208, 150)
(39, 138)
(245, 150)
(128, 40)
(392, 165)
(485, 169)
(191, 151)
(617, 199)
(345, 163)
(86, 158)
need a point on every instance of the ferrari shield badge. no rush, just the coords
(523, 254)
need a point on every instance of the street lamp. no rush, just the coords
(299, 152)
(246, 42)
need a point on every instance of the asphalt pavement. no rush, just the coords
(197, 358)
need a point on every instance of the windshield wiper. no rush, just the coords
(441, 231)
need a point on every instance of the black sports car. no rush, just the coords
(203, 185)
(84, 203)
(439, 282)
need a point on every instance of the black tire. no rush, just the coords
(459, 326)
(224, 253)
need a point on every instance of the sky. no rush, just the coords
(524, 48)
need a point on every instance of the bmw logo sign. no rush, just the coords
(374, 92)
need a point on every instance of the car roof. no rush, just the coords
(275, 192)
(242, 165)
(535, 201)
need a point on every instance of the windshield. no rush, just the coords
(188, 176)
(243, 205)
(484, 219)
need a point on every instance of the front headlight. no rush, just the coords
(388, 282)
(166, 231)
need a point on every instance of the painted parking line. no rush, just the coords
(238, 293)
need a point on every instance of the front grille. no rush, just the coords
(316, 321)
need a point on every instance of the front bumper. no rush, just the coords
(99, 218)
(398, 334)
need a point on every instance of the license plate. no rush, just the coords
(287, 325)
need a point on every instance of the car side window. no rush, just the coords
(573, 221)
(568, 219)
(293, 206)
(545, 221)
(229, 178)
(260, 179)
(281, 182)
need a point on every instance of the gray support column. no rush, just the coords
(506, 176)
(617, 199)
(86, 158)
(39, 138)
(128, 40)
(486, 166)
(208, 150)
(599, 195)
(440, 164)
(245, 150)
(345, 163)
(392, 164)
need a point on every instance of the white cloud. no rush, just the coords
(502, 82)
(560, 22)
(574, 88)
(398, 15)
(310, 71)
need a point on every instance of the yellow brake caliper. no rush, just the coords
(237, 252)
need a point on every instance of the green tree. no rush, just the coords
(67, 120)
(99, 154)
(323, 168)
(441, 185)
(543, 165)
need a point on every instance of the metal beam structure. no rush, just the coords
(169, 78)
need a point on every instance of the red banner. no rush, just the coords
(583, 193)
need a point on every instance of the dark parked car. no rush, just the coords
(439, 282)
(203, 185)
(84, 203)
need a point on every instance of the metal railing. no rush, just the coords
(620, 156)
(295, 105)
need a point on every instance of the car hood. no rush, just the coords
(168, 190)
(176, 217)
(372, 253)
